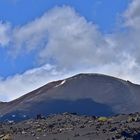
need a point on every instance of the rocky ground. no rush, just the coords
(73, 127)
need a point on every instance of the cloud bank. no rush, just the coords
(66, 43)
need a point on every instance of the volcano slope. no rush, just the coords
(85, 94)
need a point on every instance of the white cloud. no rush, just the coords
(63, 36)
(128, 42)
(69, 44)
(132, 14)
(4, 33)
(15, 86)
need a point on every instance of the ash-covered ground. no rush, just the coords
(68, 126)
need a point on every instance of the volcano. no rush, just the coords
(85, 94)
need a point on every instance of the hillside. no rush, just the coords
(87, 94)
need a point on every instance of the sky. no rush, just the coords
(46, 40)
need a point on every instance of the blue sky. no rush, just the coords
(19, 12)
(45, 40)
(104, 13)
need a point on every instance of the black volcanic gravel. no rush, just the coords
(74, 127)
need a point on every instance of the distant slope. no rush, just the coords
(89, 94)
